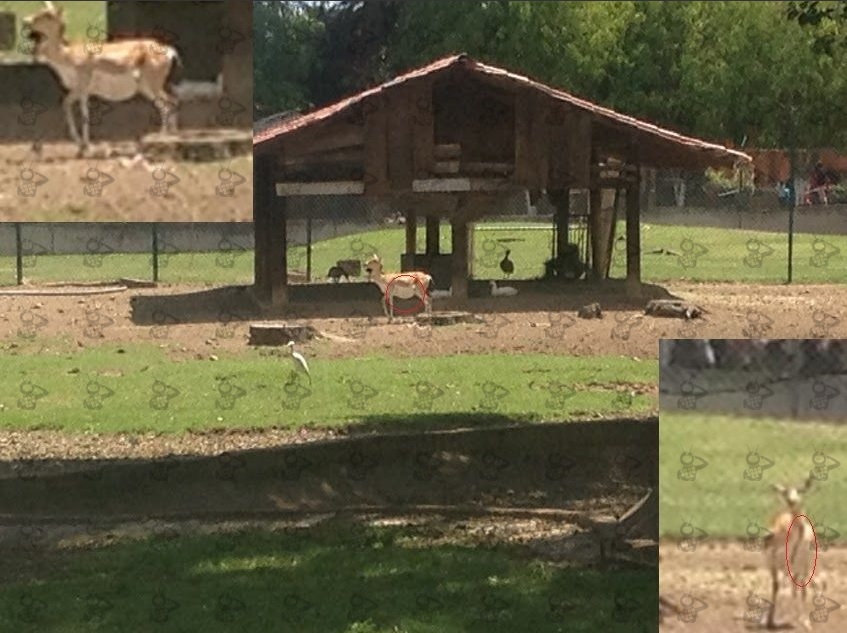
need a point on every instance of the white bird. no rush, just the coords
(440, 294)
(299, 362)
(502, 291)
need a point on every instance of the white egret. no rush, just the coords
(299, 361)
(502, 291)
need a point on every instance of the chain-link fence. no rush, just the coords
(708, 227)
(802, 378)
(209, 252)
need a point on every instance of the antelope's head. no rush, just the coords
(374, 267)
(46, 25)
(792, 496)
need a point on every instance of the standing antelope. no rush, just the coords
(115, 71)
(798, 547)
(399, 286)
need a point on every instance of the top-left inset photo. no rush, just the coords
(126, 111)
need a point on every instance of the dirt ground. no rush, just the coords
(115, 184)
(723, 575)
(733, 311)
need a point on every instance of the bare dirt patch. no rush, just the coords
(723, 574)
(61, 187)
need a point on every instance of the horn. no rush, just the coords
(49, 5)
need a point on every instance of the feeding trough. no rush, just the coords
(198, 145)
(450, 317)
(280, 333)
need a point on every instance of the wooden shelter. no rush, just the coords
(445, 142)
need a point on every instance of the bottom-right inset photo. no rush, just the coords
(753, 491)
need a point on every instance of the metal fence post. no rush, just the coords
(309, 249)
(793, 201)
(155, 252)
(19, 255)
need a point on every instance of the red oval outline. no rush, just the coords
(393, 307)
(787, 563)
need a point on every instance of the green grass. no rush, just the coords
(365, 390)
(78, 16)
(723, 259)
(332, 579)
(721, 500)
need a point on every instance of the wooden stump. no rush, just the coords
(590, 311)
(280, 333)
(674, 309)
(446, 318)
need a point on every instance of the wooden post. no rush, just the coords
(460, 257)
(433, 235)
(595, 199)
(561, 200)
(411, 232)
(269, 265)
(633, 239)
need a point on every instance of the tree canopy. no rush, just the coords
(767, 72)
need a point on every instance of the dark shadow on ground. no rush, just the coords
(363, 300)
(324, 579)
(592, 466)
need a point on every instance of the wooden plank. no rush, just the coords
(446, 167)
(524, 166)
(448, 185)
(376, 149)
(441, 184)
(339, 188)
(501, 169)
(579, 148)
(269, 227)
(411, 232)
(345, 155)
(540, 141)
(595, 197)
(401, 169)
(460, 258)
(325, 138)
(423, 128)
(433, 237)
(447, 151)
(633, 240)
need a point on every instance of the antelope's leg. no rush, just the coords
(771, 624)
(68, 103)
(86, 132)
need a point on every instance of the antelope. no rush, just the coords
(399, 286)
(115, 71)
(798, 547)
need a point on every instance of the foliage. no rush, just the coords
(724, 70)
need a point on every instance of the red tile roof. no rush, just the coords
(321, 114)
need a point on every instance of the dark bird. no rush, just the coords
(506, 265)
(336, 273)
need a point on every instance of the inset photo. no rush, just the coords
(126, 111)
(752, 442)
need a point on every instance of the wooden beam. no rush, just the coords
(448, 151)
(561, 199)
(401, 168)
(540, 141)
(376, 149)
(595, 198)
(461, 184)
(500, 169)
(579, 148)
(338, 188)
(325, 138)
(345, 155)
(411, 232)
(524, 167)
(633, 240)
(269, 226)
(460, 257)
(423, 128)
(446, 167)
(433, 237)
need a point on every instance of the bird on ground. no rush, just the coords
(506, 264)
(502, 291)
(299, 362)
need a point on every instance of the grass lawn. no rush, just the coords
(332, 579)
(722, 259)
(140, 387)
(721, 500)
(78, 16)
